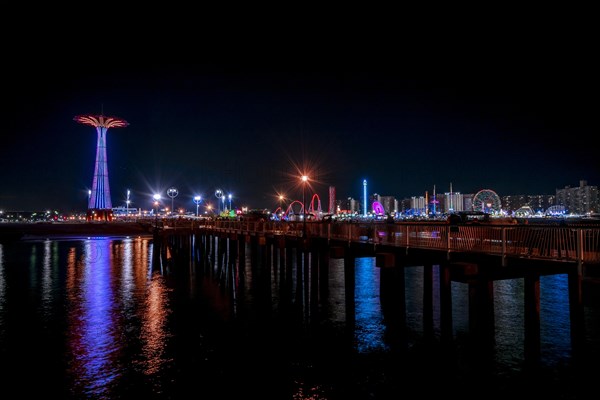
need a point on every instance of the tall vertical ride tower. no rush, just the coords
(99, 203)
(365, 197)
(332, 201)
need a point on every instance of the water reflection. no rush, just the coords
(554, 313)
(117, 320)
(2, 291)
(93, 327)
(134, 331)
(127, 278)
(369, 327)
(48, 260)
(154, 332)
(509, 306)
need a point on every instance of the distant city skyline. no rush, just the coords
(254, 130)
(189, 202)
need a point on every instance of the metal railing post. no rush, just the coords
(448, 241)
(580, 248)
(504, 247)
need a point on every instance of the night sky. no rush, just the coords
(516, 123)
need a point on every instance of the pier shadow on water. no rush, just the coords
(358, 337)
(187, 318)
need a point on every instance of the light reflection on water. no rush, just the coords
(93, 331)
(114, 310)
(554, 311)
(2, 294)
(154, 332)
(510, 322)
(119, 326)
(369, 327)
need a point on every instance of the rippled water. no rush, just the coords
(106, 318)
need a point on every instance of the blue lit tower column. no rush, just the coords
(100, 205)
(365, 197)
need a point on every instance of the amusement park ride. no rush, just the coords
(295, 210)
(99, 202)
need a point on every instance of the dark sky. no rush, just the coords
(514, 122)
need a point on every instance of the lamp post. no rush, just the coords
(280, 206)
(304, 180)
(197, 200)
(172, 193)
(127, 202)
(88, 213)
(229, 196)
(156, 203)
(219, 195)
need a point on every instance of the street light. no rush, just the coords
(172, 193)
(89, 214)
(229, 202)
(304, 180)
(127, 202)
(219, 195)
(197, 200)
(156, 202)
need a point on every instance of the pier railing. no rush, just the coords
(565, 243)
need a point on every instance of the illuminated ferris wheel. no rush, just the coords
(487, 201)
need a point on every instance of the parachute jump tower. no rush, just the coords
(99, 203)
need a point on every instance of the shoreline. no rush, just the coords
(19, 231)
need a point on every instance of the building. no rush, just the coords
(581, 200)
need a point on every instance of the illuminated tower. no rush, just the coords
(434, 201)
(100, 205)
(365, 197)
(332, 200)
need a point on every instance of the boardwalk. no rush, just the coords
(578, 243)
(476, 255)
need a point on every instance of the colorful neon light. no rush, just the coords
(100, 194)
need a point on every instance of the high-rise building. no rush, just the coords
(418, 205)
(579, 200)
(453, 202)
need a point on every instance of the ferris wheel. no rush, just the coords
(486, 200)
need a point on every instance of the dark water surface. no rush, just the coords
(100, 318)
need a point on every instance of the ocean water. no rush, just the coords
(115, 318)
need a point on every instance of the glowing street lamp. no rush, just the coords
(172, 193)
(156, 203)
(197, 200)
(229, 196)
(281, 206)
(127, 202)
(304, 180)
(219, 196)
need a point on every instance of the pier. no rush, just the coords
(476, 255)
